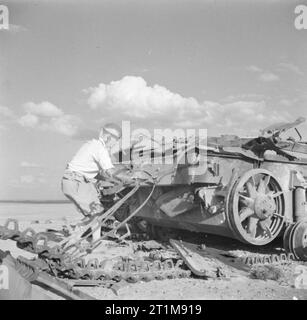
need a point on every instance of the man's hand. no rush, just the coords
(122, 175)
(128, 180)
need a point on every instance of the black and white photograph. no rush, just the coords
(153, 150)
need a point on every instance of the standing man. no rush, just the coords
(93, 158)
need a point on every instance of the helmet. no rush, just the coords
(112, 129)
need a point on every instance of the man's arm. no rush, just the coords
(120, 174)
(109, 171)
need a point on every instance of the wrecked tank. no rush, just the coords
(250, 189)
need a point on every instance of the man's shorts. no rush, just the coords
(82, 192)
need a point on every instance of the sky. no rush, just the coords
(68, 67)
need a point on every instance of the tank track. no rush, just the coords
(58, 263)
(282, 258)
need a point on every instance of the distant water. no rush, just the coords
(41, 211)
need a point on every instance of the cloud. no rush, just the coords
(242, 117)
(26, 164)
(44, 108)
(253, 68)
(29, 120)
(29, 179)
(244, 96)
(286, 66)
(48, 117)
(67, 125)
(6, 112)
(268, 77)
(265, 76)
(288, 102)
(131, 98)
(6, 117)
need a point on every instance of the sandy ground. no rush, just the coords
(43, 216)
(234, 289)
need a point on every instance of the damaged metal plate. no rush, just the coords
(209, 262)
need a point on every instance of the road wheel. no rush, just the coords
(296, 241)
(256, 207)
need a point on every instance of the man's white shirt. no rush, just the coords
(92, 157)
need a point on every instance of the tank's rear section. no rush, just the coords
(231, 192)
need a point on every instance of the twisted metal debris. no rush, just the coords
(59, 263)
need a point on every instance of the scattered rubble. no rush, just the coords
(139, 254)
(266, 272)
